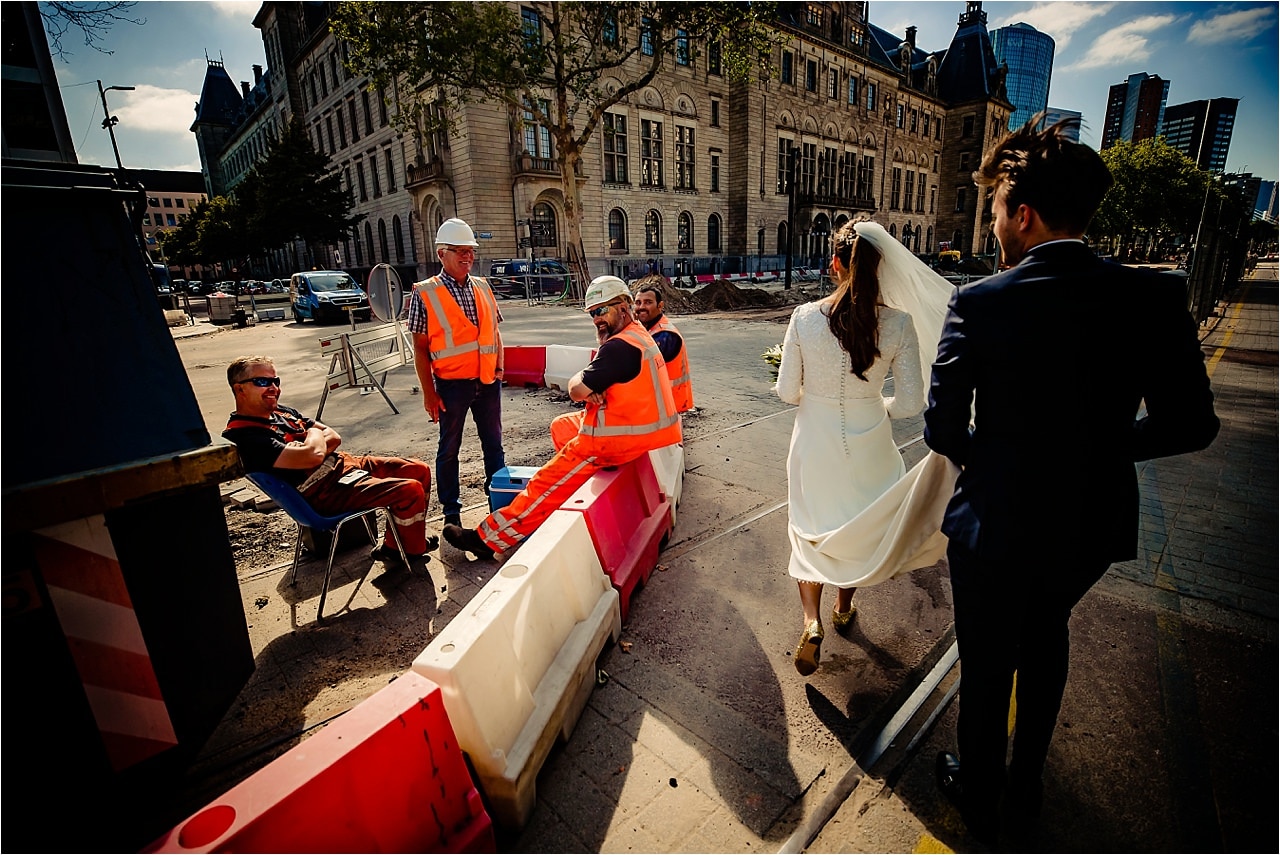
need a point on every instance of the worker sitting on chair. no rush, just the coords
(629, 410)
(303, 452)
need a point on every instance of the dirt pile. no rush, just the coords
(723, 296)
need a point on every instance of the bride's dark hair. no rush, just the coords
(853, 304)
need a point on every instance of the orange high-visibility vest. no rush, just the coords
(638, 415)
(459, 349)
(677, 369)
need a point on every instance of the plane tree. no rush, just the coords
(560, 65)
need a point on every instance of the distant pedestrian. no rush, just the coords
(1036, 394)
(457, 352)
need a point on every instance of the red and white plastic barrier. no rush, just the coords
(386, 777)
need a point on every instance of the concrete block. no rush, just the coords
(524, 366)
(668, 465)
(517, 665)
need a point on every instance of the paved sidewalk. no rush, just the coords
(1167, 737)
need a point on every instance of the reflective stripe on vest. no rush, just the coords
(649, 393)
(678, 371)
(459, 349)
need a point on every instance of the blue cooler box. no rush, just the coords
(507, 482)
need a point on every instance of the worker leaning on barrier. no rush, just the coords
(457, 352)
(629, 410)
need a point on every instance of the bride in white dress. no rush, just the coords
(856, 516)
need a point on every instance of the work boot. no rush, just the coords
(468, 540)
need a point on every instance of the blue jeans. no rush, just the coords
(485, 404)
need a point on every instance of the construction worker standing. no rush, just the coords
(457, 352)
(650, 311)
(629, 411)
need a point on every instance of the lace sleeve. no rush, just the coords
(908, 382)
(791, 372)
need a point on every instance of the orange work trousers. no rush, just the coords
(574, 462)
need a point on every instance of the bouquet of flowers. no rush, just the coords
(773, 356)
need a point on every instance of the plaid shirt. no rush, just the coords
(462, 292)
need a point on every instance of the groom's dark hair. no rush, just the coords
(1063, 180)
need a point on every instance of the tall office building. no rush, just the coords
(1057, 114)
(1202, 131)
(1135, 109)
(1028, 55)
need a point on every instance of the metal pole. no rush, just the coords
(793, 162)
(109, 121)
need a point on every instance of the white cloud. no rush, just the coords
(1124, 44)
(1059, 20)
(246, 9)
(1233, 26)
(151, 108)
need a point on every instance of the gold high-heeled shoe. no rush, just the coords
(809, 649)
(843, 621)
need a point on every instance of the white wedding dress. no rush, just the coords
(856, 517)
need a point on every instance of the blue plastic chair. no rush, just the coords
(287, 496)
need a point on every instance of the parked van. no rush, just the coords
(325, 295)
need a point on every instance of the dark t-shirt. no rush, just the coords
(616, 362)
(668, 343)
(260, 440)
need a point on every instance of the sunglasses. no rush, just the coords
(465, 253)
(262, 382)
(600, 310)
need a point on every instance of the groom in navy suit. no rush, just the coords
(1072, 369)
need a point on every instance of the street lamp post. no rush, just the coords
(109, 121)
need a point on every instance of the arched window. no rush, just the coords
(355, 239)
(652, 230)
(906, 235)
(368, 242)
(928, 240)
(782, 239)
(684, 232)
(893, 230)
(398, 238)
(544, 225)
(713, 233)
(382, 240)
(617, 231)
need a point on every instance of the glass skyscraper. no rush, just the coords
(1029, 55)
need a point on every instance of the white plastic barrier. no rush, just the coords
(516, 666)
(668, 464)
(564, 361)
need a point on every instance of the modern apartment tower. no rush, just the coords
(1202, 131)
(1027, 53)
(1135, 109)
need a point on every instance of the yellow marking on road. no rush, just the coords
(1226, 339)
(931, 845)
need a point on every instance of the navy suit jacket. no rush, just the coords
(1055, 357)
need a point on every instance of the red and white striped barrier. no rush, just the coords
(81, 570)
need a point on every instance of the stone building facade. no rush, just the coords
(694, 174)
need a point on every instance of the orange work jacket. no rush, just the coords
(677, 369)
(459, 349)
(638, 415)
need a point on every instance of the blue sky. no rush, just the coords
(1205, 50)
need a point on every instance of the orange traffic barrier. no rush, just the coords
(386, 777)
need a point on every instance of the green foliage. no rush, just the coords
(1158, 190)
(292, 194)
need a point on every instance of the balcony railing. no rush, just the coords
(526, 164)
(421, 173)
(834, 200)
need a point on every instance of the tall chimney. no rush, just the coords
(244, 87)
(911, 37)
(257, 75)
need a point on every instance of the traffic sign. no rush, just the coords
(485, 235)
(541, 229)
(525, 242)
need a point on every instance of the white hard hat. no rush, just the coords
(604, 289)
(454, 232)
